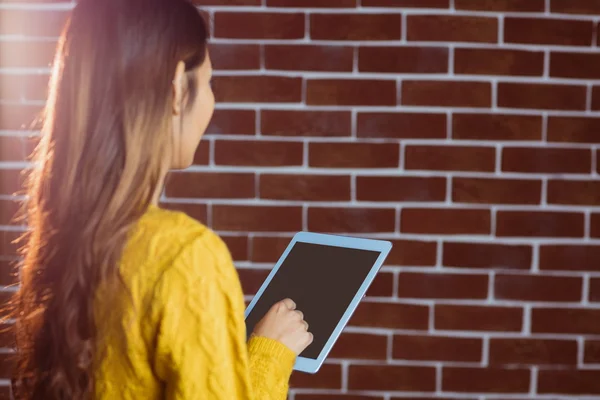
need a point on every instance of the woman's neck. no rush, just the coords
(159, 189)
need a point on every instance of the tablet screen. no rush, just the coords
(322, 280)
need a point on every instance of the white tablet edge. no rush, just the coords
(312, 365)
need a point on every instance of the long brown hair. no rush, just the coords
(106, 139)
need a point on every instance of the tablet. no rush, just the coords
(327, 276)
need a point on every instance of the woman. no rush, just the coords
(121, 299)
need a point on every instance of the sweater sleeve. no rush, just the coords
(201, 350)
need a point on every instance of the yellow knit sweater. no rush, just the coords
(178, 331)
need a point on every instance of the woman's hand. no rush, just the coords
(286, 325)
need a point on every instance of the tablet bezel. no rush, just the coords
(312, 365)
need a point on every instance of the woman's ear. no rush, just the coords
(178, 88)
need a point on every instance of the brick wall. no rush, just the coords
(466, 131)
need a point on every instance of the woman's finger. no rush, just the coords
(289, 303)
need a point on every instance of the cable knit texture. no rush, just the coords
(174, 328)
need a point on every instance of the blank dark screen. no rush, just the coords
(322, 280)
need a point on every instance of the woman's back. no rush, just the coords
(180, 303)
(126, 317)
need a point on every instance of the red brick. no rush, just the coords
(418, 60)
(351, 92)
(449, 221)
(482, 380)
(202, 155)
(565, 320)
(312, 3)
(252, 279)
(238, 246)
(539, 224)
(227, 2)
(501, 5)
(573, 129)
(257, 218)
(309, 58)
(8, 246)
(584, 7)
(575, 65)
(594, 294)
(442, 286)
(402, 125)
(478, 318)
(5, 312)
(392, 378)
(329, 377)
(8, 273)
(532, 351)
(391, 315)
(305, 123)
(354, 155)
(487, 255)
(446, 93)
(570, 257)
(16, 148)
(307, 396)
(6, 338)
(498, 62)
(433, 397)
(548, 31)
(6, 365)
(574, 192)
(496, 191)
(382, 285)
(360, 347)
(406, 3)
(27, 54)
(19, 116)
(28, 22)
(546, 160)
(437, 348)
(305, 187)
(496, 127)
(595, 225)
(351, 220)
(257, 89)
(259, 25)
(396, 188)
(355, 26)
(451, 28)
(233, 122)
(258, 153)
(541, 96)
(537, 288)
(230, 56)
(268, 249)
(210, 185)
(11, 181)
(450, 158)
(412, 253)
(197, 211)
(591, 351)
(23, 87)
(572, 382)
(596, 97)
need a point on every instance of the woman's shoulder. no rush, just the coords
(160, 229)
(163, 238)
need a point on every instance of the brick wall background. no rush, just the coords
(466, 131)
